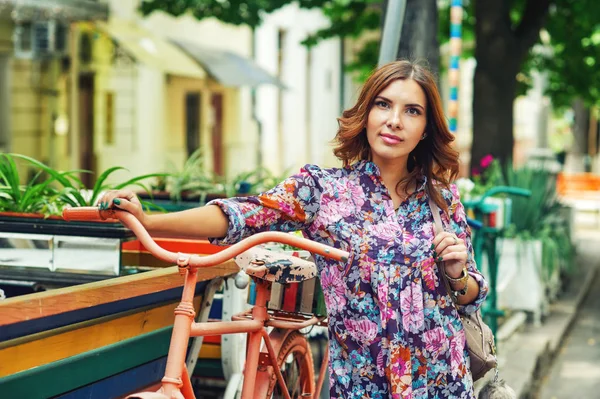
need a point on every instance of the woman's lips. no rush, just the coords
(390, 139)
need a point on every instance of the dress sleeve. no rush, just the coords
(289, 206)
(458, 221)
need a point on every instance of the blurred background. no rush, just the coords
(143, 84)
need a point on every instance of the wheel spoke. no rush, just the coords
(295, 364)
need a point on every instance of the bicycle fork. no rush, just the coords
(173, 385)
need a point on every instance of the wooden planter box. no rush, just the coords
(50, 252)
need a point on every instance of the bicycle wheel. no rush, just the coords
(295, 362)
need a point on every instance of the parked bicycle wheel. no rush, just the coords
(296, 365)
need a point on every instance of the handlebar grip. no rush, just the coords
(87, 213)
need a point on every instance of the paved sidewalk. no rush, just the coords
(575, 373)
(528, 353)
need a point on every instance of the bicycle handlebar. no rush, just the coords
(506, 190)
(195, 261)
(480, 203)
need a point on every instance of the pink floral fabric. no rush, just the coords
(394, 332)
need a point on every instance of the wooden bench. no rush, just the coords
(96, 340)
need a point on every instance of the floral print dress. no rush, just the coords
(394, 331)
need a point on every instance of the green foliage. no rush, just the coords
(528, 213)
(194, 181)
(571, 61)
(191, 179)
(251, 182)
(365, 61)
(487, 175)
(49, 191)
(236, 12)
(34, 197)
(349, 19)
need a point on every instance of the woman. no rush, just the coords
(394, 331)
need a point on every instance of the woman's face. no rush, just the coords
(396, 122)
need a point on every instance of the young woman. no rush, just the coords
(394, 330)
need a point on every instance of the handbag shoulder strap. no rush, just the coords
(439, 227)
(435, 210)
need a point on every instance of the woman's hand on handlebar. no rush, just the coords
(125, 200)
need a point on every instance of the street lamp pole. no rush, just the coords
(392, 30)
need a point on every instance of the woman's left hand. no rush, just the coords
(447, 247)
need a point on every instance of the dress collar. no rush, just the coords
(369, 168)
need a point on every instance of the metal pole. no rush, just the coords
(456, 13)
(392, 29)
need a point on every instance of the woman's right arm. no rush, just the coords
(205, 221)
(289, 206)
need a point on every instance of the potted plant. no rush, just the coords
(184, 188)
(537, 246)
(193, 185)
(36, 206)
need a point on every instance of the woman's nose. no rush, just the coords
(394, 121)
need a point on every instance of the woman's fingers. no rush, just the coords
(449, 247)
(459, 255)
(125, 205)
(125, 200)
(444, 240)
(107, 200)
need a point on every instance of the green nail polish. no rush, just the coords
(432, 246)
(440, 259)
(117, 201)
(101, 206)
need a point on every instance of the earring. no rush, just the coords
(424, 136)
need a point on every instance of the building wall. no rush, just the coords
(309, 105)
(240, 140)
(175, 129)
(5, 84)
(130, 134)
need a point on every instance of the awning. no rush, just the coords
(68, 10)
(152, 50)
(228, 68)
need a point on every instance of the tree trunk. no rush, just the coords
(493, 96)
(580, 127)
(419, 40)
(500, 50)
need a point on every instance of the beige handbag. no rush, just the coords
(479, 336)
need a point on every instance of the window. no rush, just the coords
(192, 121)
(109, 137)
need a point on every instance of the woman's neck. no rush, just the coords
(392, 172)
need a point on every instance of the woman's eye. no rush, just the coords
(381, 104)
(414, 111)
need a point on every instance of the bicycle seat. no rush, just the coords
(275, 266)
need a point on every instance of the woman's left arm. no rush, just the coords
(459, 256)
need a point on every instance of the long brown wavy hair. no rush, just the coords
(433, 157)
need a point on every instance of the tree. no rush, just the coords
(503, 42)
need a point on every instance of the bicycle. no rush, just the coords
(484, 242)
(284, 348)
